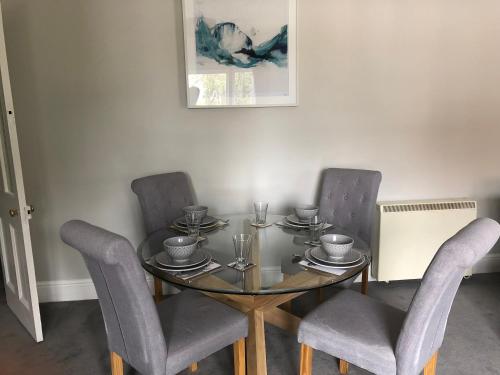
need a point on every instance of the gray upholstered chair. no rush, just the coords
(162, 198)
(386, 340)
(347, 200)
(154, 339)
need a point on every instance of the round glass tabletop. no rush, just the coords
(277, 254)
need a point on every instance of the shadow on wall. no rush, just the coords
(489, 206)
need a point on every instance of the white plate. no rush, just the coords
(206, 222)
(351, 257)
(286, 223)
(295, 220)
(310, 258)
(207, 228)
(198, 257)
(194, 268)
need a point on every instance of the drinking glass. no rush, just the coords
(193, 222)
(242, 244)
(316, 225)
(260, 212)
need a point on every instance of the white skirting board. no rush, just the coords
(83, 289)
(72, 290)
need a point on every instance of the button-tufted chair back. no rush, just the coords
(132, 323)
(348, 198)
(425, 323)
(162, 198)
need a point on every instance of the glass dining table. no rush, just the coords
(265, 291)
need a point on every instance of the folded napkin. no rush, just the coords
(188, 275)
(282, 223)
(185, 276)
(331, 270)
(247, 267)
(261, 225)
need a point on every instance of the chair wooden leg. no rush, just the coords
(343, 366)
(158, 289)
(239, 357)
(306, 358)
(364, 281)
(430, 367)
(116, 364)
(193, 367)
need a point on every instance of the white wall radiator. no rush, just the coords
(407, 234)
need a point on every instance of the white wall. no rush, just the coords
(409, 88)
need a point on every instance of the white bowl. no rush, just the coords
(336, 245)
(199, 211)
(180, 248)
(304, 213)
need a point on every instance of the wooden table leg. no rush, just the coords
(256, 344)
(158, 289)
(287, 306)
(364, 281)
(282, 319)
(320, 295)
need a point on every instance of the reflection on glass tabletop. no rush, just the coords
(276, 253)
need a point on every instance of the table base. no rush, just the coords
(260, 309)
(273, 309)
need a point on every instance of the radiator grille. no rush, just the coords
(438, 206)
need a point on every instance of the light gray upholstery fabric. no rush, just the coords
(365, 332)
(423, 330)
(348, 198)
(151, 344)
(162, 198)
(132, 325)
(196, 327)
(356, 328)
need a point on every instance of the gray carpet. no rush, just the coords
(75, 342)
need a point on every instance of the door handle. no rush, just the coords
(13, 212)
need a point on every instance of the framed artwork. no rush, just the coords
(240, 53)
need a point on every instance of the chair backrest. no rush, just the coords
(162, 198)
(423, 329)
(132, 324)
(348, 198)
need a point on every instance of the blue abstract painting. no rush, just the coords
(240, 52)
(225, 43)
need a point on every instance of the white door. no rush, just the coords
(15, 240)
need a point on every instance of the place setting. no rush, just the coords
(335, 255)
(303, 218)
(196, 221)
(182, 257)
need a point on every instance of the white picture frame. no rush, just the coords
(240, 53)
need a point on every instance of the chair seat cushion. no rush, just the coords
(356, 328)
(195, 326)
